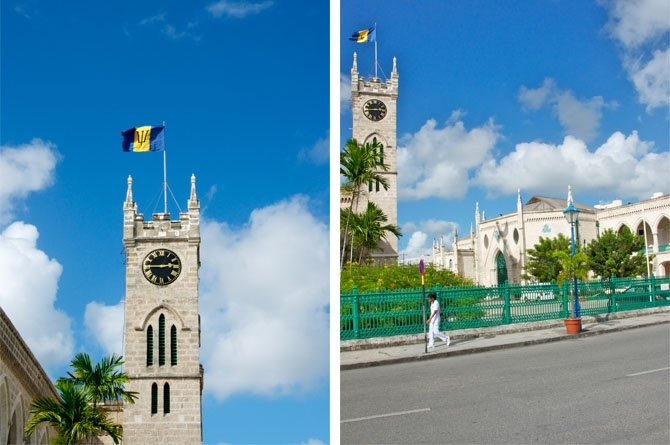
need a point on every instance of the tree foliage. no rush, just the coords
(617, 254)
(390, 277)
(361, 164)
(368, 228)
(75, 413)
(542, 264)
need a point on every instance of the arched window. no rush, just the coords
(173, 345)
(166, 398)
(154, 398)
(150, 345)
(161, 340)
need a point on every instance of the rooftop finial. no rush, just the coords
(569, 195)
(129, 193)
(395, 69)
(193, 197)
(355, 65)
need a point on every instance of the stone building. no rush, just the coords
(161, 339)
(22, 379)
(374, 105)
(162, 325)
(495, 249)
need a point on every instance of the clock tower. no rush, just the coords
(373, 105)
(162, 325)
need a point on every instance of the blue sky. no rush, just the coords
(242, 87)
(530, 95)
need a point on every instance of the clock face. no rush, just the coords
(374, 109)
(161, 267)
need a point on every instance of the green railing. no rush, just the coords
(387, 313)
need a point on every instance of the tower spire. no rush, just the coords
(569, 195)
(129, 193)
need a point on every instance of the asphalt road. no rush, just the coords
(609, 389)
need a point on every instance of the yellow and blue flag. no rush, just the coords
(365, 35)
(145, 138)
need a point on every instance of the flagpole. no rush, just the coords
(164, 176)
(375, 50)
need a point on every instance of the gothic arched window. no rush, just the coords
(150, 345)
(166, 398)
(161, 340)
(173, 345)
(154, 398)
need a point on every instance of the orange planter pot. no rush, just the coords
(573, 325)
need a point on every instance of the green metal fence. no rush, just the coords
(387, 313)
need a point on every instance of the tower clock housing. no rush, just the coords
(374, 105)
(162, 325)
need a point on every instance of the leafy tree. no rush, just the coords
(368, 229)
(103, 381)
(572, 266)
(543, 265)
(617, 254)
(359, 165)
(72, 415)
(76, 413)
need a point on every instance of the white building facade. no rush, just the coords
(495, 249)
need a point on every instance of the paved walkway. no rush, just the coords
(405, 348)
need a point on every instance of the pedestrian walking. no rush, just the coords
(433, 322)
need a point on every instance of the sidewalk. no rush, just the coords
(406, 348)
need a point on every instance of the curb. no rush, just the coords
(563, 336)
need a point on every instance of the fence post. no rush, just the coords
(507, 317)
(653, 290)
(565, 313)
(356, 312)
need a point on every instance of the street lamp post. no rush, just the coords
(572, 215)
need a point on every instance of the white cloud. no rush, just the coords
(263, 300)
(423, 234)
(28, 287)
(236, 9)
(579, 117)
(536, 98)
(624, 165)
(642, 26)
(434, 162)
(635, 22)
(105, 324)
(652, 78)
(319, 153)
(24, 169)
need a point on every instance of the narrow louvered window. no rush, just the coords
(154, 398)
(161, 340)
(150, 346)
(166, 398)
(173, 345)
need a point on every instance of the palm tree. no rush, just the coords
(72, 415)
(76, 413)
(359, 165)
(103, 382)
(573, 267)
(369, 228)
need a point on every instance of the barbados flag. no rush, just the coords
(145, 138)
(365, 35)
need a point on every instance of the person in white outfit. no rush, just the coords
(434, 322)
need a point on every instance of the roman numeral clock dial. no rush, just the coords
(161, 267)
(374, 109)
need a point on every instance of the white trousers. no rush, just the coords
(434, 331)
